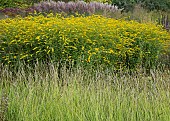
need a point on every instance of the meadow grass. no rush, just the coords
(96, 95)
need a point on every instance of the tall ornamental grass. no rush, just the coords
(92, 40)
(99, 96)
(66, 8)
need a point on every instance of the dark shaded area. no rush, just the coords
(128, 5)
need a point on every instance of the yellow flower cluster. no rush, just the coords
(90, 40)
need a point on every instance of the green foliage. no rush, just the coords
(17, 3)
(129, 5)
(92, 40)
(163, 5)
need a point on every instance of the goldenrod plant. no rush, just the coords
(92, 40)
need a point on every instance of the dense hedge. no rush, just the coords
(88, 40)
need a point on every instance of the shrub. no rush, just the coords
(18, 3)
(88, 40)
(128, 5)
(163, 5)
(13, 3)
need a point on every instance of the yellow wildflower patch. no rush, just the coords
(92, 39)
